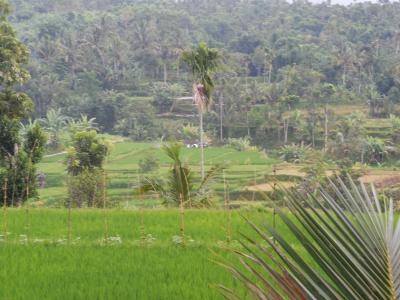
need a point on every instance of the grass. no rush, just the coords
(122, 169)
(44, 266)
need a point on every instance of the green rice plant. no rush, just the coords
(5, 208)
(228, 210)
(104, 188)
(352, 239)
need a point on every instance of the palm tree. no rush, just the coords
(179, 188)
(348, 248)
(202, 62)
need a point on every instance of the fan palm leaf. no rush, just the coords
(352, 241)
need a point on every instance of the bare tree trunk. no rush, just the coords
(279, 133)
(286, 130)
(178, 70)
(270, 73)
(165, 72)
(248, 126)
(221, 115)
(201, 145)
(362, 156)
(344, 76)
(326, 129)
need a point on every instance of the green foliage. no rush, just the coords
(44, 255)
(9, 137)
(54, 123)
(84, 123)
(121, 63)
(202, 61)
(88, 152)
(374, 150)
(190, 132)
(351, 238)
(21, 180)
(148, 164)
(295, 153)
(34, 143)
(14, 56)
(240, 144)
(85, 189)
(18, 157)
(179, 186)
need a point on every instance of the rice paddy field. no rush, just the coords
(119, 254)
(243, 168)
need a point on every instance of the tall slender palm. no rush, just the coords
(202, 62)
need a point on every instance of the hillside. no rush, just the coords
(119, 61)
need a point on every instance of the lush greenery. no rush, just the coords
(291, 74)
(19, 152)
(124, 171)
(301, 92)
(351, 237)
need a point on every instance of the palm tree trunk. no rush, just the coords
(201, 145)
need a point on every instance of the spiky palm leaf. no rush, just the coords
(353, 246)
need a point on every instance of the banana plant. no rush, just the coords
(352, 241)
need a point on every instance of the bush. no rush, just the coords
(86, 189)
(148, 164)
(240, 144)
(294, 153)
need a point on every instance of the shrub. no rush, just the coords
(294, 153)
(148, 164)
(240, 144)
(85, 189)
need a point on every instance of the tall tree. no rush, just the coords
(202, 61)
(13, 56)
(17, 154)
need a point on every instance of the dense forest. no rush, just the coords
(285, 68)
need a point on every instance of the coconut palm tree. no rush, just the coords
(179, 188)
(348, 248)
(202, 62)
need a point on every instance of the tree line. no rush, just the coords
(120, 62)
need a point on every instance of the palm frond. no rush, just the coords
(214, 170)
(352, 241)
(202, 61)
